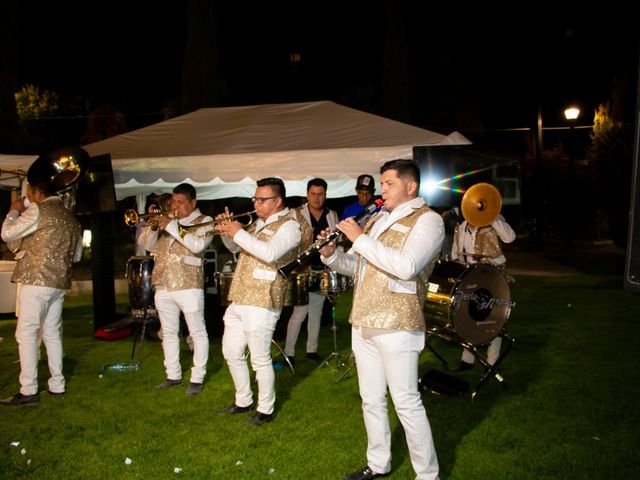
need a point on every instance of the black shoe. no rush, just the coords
(463, 366)
(169, 383)
(193, 389)
(292, 360)
(260, 418)
(55, 394)
(365, 473)
(233, 408)
(20, 399)
(313, 356)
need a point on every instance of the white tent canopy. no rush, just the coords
(223, 151)
(13, 169)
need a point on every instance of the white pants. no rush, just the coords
(493, 352)
(389, 358)
(191, 303)
(40, 317)
(314, 308)
(253, 327)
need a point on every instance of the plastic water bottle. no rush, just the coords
(120, 367)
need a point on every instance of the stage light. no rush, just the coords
(86, 238)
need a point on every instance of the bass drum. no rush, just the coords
(472, 301)
(141, 291)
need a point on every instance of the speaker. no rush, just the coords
(632, 263)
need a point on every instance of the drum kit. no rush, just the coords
(469, 304)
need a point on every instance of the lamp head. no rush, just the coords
(571, 113)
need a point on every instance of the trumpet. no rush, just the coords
(133, 218)
(184, 229)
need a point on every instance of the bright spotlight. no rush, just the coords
(86, 238)
(430, 186)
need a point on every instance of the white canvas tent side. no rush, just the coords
(223, 151)
(13, 169)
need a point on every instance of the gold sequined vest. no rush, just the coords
(375, 305)
(486, 243)
(306, 237)
(175, 266)
(49, 251)
(256, 282)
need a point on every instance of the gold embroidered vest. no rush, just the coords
(306, 237)
(374, 304)
(49, 251)
(487, 243)
(175, 267)
(306, 230)
(268, 290)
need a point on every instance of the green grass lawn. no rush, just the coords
(568, 410)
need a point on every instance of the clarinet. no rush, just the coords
(302, 257)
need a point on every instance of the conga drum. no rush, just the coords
(223, 284)
(141, 291)
(297, 292)
(329, 282)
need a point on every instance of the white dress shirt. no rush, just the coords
(17, 226)
(467, 238)
(421, 246)
(194, 243)
(279, 244)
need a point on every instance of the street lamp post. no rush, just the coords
(571, 114)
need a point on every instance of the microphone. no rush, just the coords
(302, 257)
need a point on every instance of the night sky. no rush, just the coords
(465, 67)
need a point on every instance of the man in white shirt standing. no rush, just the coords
(391, 260)
(471, 245)
(47, 239)
(316, 218)
(178, 278)
(257, 295)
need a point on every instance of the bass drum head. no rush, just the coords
(481, 304)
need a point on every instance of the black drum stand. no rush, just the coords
(141, 319)
(283, 355)
(335, 361)
(489, 370)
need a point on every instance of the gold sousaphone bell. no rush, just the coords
(481, 204)
(63, 169)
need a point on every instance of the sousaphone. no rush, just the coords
(481, 204)
(63, 169)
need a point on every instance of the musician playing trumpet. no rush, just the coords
(391, 260)
(473, 244)
(178, 278)
(256, 295)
